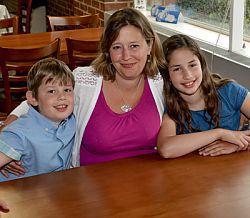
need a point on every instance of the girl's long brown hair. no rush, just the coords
(177, 108)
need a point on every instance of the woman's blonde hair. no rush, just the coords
(118, 20)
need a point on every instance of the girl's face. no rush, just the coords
(129, 52)
(185, 71)
(55, 101)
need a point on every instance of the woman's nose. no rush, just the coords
(125, 53)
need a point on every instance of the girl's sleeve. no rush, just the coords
(21, 109)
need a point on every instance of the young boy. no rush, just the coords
(43, 138)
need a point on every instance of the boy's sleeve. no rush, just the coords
(9, 151)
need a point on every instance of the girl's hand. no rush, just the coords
(13, 167)
(240, 138)
(218, 148)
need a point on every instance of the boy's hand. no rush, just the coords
(4, 207)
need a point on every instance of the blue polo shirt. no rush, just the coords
(42, 145)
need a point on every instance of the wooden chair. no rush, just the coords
(81, 53)
(15, 63)
(24, 13)
(10, 23)
(72, 22)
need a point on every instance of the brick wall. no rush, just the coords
(82, 7)
(77, 7)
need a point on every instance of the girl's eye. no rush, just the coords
(193, 65)
(176, 69)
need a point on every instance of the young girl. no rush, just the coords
(202, 109)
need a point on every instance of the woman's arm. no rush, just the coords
(171, 145)
(17, 112)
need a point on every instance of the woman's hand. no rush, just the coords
(14, 167)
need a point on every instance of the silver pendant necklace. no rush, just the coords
(127, 107)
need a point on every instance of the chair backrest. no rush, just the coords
(81, 53)
(9, 23)
(15, 63)
(72, 22)
(24, 13)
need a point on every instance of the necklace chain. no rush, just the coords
(127, 107)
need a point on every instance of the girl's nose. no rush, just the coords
(187, 73)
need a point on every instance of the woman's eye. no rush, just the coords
(116, 47)
(193, 65)
(134, 46)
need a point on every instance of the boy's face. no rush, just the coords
(55, 101)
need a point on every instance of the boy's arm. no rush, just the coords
(4, 159)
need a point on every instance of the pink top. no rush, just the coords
(109, 136)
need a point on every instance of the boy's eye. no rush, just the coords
(68, 90)
(51, 91)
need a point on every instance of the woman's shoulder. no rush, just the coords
(156, 79)
(86, 76)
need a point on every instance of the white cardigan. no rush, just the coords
(87, 89)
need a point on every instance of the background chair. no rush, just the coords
(81, 53)
(9, 26)
(72, 22)
(24, 13)
(15, 63)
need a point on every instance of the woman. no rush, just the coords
(202, 109)
(119, 102)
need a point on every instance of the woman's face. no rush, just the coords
(129, 52)
(185, 71)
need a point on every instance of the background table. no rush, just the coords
(145, 186)
(40, 39)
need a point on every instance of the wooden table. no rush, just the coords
(40, 39)
(145, 186)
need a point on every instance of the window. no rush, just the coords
(229, 18)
